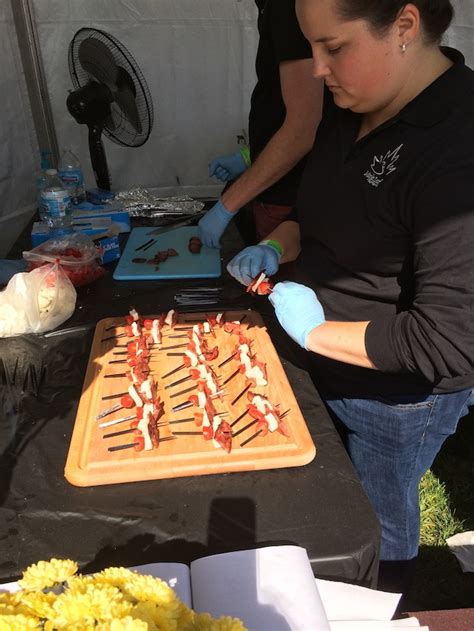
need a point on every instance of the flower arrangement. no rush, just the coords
(54, 597)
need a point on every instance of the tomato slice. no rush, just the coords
(139, 442)
(127, 402)
(207, 432)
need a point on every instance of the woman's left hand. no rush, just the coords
(298, 310)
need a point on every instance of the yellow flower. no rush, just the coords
(149, 588)
(96, 603)
(205, 622)
(47, 574)
(37, 604)
(115, 599)
(125, 624)
(18, 622)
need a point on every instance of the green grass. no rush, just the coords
(447, 507)
(438, 520)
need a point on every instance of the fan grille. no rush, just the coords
(119, 128)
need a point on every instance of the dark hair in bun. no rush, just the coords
(436, 15)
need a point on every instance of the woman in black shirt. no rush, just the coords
(383, 236)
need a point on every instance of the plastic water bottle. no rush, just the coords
(56, 204)
(70, 172)
(40, 183)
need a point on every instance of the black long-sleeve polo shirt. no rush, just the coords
(387, 226)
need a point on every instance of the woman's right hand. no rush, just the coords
(246, 265)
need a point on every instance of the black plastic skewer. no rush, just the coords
(176, 383)
(120, 447)
(114, 396)
(251, 438)
(168, 348)
(145, 245)
(122, 374)
(187, 433)
(178, 394)
(172, 372)
(241, 394)
(231, 357)
(175, 354)
(118, 361)
(113, 337)
(181, 406)
(242, 429)
(234, 374)
(120, 433)
(239, 418)
(129, 445)
(227, 360)
(257, 433)
(182, 420)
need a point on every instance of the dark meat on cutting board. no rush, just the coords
(195, 245)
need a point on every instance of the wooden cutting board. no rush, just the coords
(89, 462)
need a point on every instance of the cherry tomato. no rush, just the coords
(127, 402)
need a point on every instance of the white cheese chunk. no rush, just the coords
(169, 317)
(193, 357)
(135, 396)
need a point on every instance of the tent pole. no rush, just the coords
(28, 43)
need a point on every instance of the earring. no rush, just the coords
(403, 47)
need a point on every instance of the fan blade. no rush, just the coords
(98, 61)
(126, 101)
(125, 98)
(109, 123)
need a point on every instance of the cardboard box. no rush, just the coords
(116, 214)
(109, 248)
(40, 231)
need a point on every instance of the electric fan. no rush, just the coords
(111, 96)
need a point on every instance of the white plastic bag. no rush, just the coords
(36, 301)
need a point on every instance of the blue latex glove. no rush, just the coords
(9, 268)
(298, 310)
(213, 224)
(253, 260)
(227, 168)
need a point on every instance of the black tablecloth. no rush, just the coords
(320, 506)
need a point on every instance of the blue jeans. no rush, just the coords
(392, 442)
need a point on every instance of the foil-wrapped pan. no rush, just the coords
(140, 202)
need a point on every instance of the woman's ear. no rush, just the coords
(408, 24)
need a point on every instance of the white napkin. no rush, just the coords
(462, 546)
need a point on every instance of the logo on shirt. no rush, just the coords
(382, 166)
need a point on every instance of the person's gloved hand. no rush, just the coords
(227, 168)
(253, 260)
(8, 269)
(298, 310)
(213, 224)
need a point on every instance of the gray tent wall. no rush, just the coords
(198, 59)
(18, 144)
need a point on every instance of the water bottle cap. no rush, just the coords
(51, 171)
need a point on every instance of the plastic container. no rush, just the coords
(56, 204)
(76, 254)
(70, 172)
